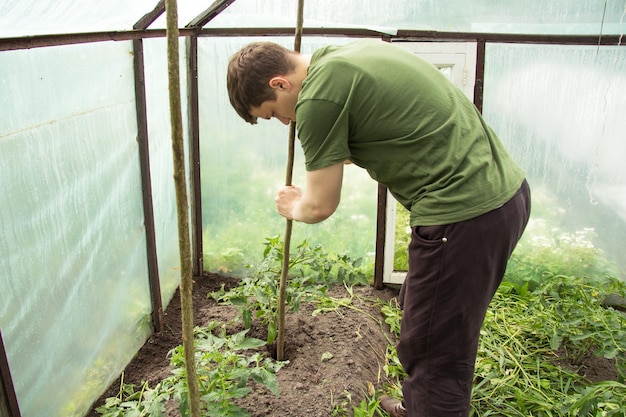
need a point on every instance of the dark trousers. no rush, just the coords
(454, 271)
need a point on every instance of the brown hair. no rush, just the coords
(249, 72)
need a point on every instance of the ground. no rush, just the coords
(329, 355)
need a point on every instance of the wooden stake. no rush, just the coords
(186, 278)
(280, 341)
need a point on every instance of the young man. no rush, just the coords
(386, 110)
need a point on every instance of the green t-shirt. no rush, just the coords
(397, 116)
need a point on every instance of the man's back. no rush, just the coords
(397, 116)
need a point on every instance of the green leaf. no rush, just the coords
(250, 343)
(555, 340)
(271, 332)
(266, 378)
(247, 318)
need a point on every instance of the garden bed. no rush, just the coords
(332, 356)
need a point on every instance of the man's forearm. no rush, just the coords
(306, 211)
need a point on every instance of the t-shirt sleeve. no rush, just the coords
(323, 130)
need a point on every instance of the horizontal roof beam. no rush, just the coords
(29, 42)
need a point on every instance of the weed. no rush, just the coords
(570, 310)
(516, 373)
(530, 319)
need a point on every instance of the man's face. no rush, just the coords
(283, 108)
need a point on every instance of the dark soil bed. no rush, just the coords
(329, 355)
(332, 357)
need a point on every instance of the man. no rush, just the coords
(388, 111)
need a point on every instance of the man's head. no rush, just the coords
(254, 75)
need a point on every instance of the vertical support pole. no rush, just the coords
(282, 293)
(381, 226)
(146, 183)
(182, 205)
(480, 74)
(194, 155)
(8, 400)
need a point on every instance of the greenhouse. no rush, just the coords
(97, 158)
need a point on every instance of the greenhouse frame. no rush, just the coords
(88, 225)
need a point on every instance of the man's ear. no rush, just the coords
(279, 82)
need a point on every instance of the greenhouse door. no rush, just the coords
(458, 62)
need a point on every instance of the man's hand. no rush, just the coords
(286, 198)
(319, 199)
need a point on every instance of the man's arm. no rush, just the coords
(319, 200)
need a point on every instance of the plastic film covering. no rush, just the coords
(560, 109)
(243, 166)
(534, 16)
(162, 172)
(33, 17)
(74, 291)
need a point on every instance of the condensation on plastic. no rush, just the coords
(560, 110)
(536, 16)
(161, 159)
(74, 290)
(75, 298)
(33, 17)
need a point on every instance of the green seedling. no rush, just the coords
(312, 272)
(225, 364)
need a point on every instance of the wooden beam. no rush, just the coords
(8, 399)
(146, 185)
(150, 17)
(209, 14)
(194, 155)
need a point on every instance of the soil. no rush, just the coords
(333, 357)
(329, 355)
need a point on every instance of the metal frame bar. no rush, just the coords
(28, 42)
(479, 82)
(8, 400)
(419, 35)
(146, 185)
(41, 41)
(194, 155)
(194, 129)
(144, 160)
(151, 16)
(381, 230)
(209, 14)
